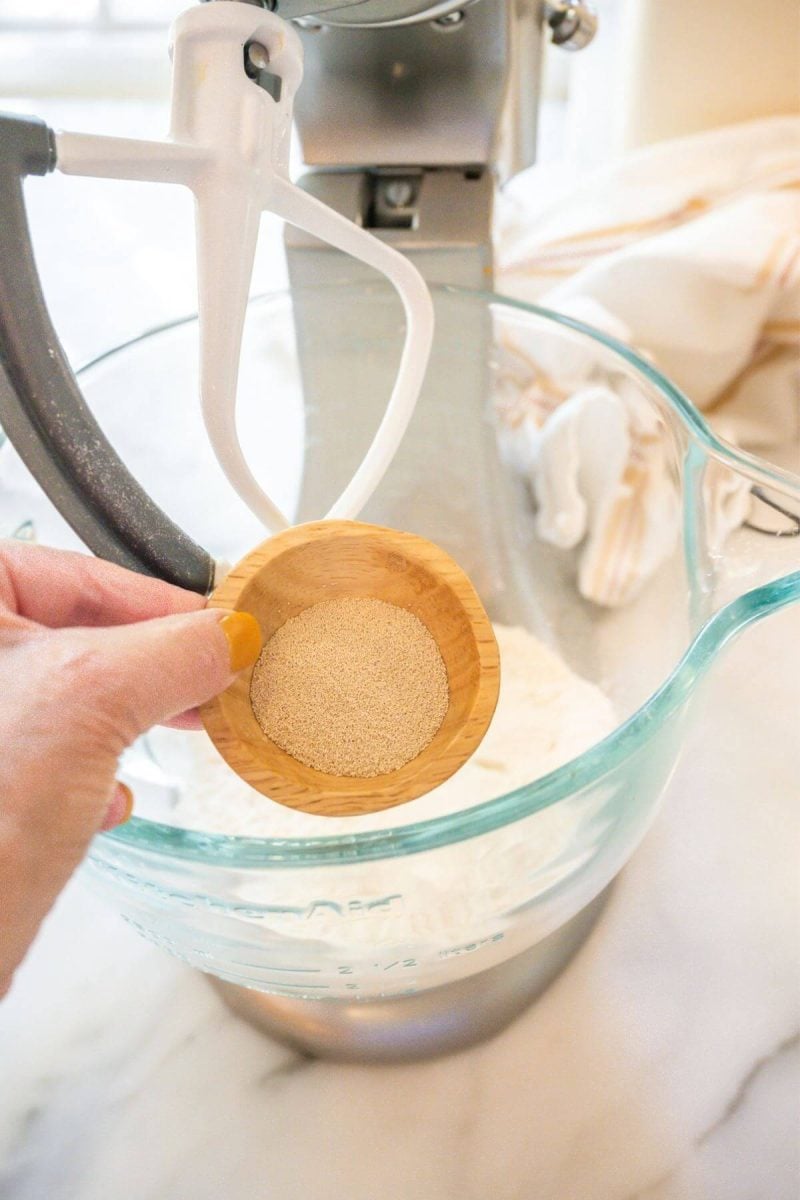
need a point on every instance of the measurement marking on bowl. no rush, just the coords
(355, 909)
(351, 908)
(305, 987)
(294, 970)
(398, 962)
(470, 947)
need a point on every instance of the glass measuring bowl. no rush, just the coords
(347, 932)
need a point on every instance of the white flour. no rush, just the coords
(546, 715)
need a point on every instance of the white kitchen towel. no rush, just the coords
(689, 251)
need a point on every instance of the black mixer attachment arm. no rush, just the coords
(43, 412)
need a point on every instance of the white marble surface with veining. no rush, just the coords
(662, 1065)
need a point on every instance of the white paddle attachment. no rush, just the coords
(235, 72)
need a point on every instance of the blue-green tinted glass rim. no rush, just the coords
(590, 767)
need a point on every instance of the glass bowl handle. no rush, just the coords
(43, 412)
(746, 560)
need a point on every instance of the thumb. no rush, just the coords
(78, 698)
(146, 673)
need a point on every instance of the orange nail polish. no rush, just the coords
(120, 809)
(244, 638)
(128, 796)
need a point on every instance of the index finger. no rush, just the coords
(59, 588)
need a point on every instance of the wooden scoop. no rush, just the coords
(329, 560)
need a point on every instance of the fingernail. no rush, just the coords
(120, 809)
(127, 796)
(244, 638)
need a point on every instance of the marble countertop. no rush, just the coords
(664, 1064)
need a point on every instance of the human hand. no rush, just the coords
(91, 656)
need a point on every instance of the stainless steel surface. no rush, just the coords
(450, 19)
(258, 3)
(373, 14)
(257, 56)
(393, 201)
(450, 240)
(417, 95)
(256, 66)
(573, 26)
(516, 148)
(398, 193)
(450, 243)
(427, 1024)
(410, 83)
(455, 99)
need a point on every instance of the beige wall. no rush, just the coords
(688, 65)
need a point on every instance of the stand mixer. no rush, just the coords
(236, 68)
(409, 115)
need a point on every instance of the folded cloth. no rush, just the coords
(689, 251)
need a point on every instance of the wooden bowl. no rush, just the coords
(328, 560)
